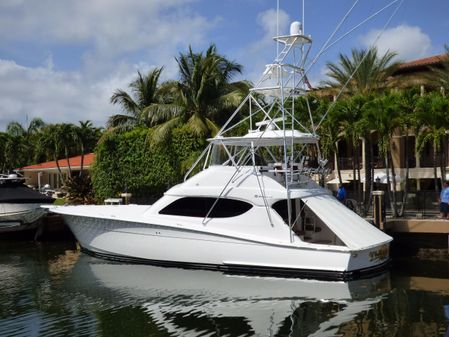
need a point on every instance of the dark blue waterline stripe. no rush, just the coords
(251, 270)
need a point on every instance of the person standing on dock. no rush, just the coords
(341, 193)
(444, 201)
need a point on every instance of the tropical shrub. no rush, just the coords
(128, 162)
(79, 188)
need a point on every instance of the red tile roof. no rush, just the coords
(427, 61)
(74, 162)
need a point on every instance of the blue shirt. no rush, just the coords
(444, 195)
(341, 194)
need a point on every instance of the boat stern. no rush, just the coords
(368, 261)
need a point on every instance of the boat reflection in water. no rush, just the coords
(191, 302)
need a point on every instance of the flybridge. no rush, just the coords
(267, 138)
(271, 100)
(276, 134)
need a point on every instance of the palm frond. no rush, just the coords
(121, 121)
(15, 129)
(125, 101)
(198, 125)
(363, 72)
(157, 113)
(161, 133)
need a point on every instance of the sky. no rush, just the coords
(61, 60)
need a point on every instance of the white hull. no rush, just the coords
(16, 217)
(184, 245)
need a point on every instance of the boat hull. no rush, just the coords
(170, 246)
(17, 217)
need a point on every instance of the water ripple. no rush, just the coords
(51, 290)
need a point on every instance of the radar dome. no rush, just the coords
(295, 28)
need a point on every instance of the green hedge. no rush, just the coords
(127, 162)
(186, 147)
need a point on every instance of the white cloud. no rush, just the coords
(107, 22)
(267, 20)
(409, 42)
(105, 29)
(56, 97)
(114, 35)
(263, 51)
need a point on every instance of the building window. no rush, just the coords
(199, 207)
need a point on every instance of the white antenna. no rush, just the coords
(303, 17)
(277, 27)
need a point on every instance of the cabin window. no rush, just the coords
(281, 208)
(199, 207)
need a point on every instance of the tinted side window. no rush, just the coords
(199, 207)
(281, 208)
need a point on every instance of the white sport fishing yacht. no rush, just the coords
(254, 205)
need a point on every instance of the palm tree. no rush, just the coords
(67, 136)
(25, 139)
(86, 136)
(362, 73)
(330, 136)
(49, 142)
(202, 94)
(353, 130)
(432, 115)
(79, 187)
(136, 106)
(16, 129)
(58, 140)
(406, 104)
(383, 116)
(15, 151)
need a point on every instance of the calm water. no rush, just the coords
(50, 289)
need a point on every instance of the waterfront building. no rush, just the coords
(47, 173)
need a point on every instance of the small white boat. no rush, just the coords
(20, 206)
(255, 205)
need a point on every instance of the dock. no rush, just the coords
(419, 236)
(431, 226)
